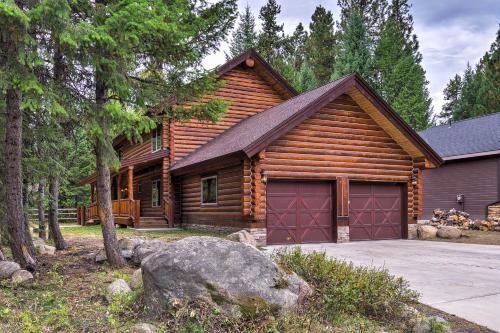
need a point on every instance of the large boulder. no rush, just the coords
(7, 268)
(21, 277)
(426, 232)
(242, 236)
(143, 328)
(146, 249)
(448, 232)
(230, 275)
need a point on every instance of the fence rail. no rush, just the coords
(65, 215)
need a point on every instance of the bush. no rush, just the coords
(344, 289)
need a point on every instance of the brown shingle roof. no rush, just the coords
(254, 133)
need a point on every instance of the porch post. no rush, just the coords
(91, 193)
(130, 183)
(119, 186)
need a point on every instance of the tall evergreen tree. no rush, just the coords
(373, 12)
(136, 56)
(353, 53)
(320, 48)
(270, 39)
(452, 94)
(245, 35)
(305, 79)
(477, 91)
(401, 78)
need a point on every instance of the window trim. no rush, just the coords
(216, 191)
(155, 134)
(159, 193)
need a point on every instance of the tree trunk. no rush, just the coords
(28, 239)
(2, 257)
(42, 233)
(14, 180)
(104, 207)
(54, 229)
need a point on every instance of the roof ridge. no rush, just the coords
(463, 120)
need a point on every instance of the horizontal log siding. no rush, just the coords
(248, 94)
(137, 149)
(229, 198)
(145, 178)
(339, 140)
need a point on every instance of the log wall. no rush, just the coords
(131, 150)
(229, 205)
(341, 140)
(248, 94)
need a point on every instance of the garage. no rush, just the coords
(375, 211)
(299, 212)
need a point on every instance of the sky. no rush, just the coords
(451, 33)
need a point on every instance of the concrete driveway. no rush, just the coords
(462, 279)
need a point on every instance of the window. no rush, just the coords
(155, 193)
(209, 190)
(120, 154)
(156, 139)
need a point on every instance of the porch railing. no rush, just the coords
(122, 209)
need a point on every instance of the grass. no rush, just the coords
(475, 237)
(167, 235)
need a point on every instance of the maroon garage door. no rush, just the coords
(299, 212)
(375, 211)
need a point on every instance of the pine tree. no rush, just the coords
(320, 47)
(245, 35)
(270, 39)
(401, 78)
(353, 53)
(452, 96)
(296, 50)
(305, 79)
(373, 12)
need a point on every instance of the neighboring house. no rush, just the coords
(469, 179)
(332, 164)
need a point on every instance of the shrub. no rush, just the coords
(342, 288)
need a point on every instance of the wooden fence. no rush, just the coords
(66, 215)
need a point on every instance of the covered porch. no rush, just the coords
(137, 193)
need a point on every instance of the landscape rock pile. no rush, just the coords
(462, 221)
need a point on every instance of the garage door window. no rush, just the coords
(209, 190)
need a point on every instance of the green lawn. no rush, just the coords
(166, 235)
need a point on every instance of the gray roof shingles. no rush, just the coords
(470, 136)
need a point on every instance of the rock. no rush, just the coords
(38, 241)
(22, 277)
(412, 231)
(426, 232)
(230, 275)
(242, 236)
(143, 328)
(449, 232)
(128, 245)
(7, 268)
(101, 256)
(136, 280)
(45, 249)
(118, 287)
(147, 248)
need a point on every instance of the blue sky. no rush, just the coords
(451, 33)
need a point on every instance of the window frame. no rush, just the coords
(155, 137)
(159, 193)
(216, 191)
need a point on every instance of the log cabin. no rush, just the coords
(330, 165)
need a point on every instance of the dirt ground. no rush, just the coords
(69, 288)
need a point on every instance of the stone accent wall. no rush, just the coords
(260, 234)
(412, 231)
(342, 234)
